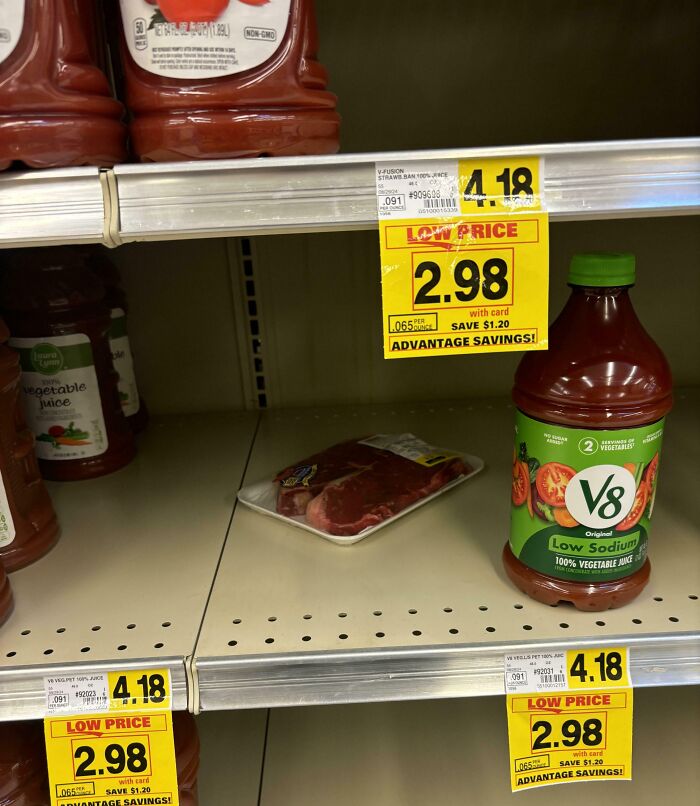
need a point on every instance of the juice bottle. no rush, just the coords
(55, 103)
(55, 308)
(28, 525)
(132, 404)
(589, 425)
(208, 79)
(186, 757)
(23, 774)
(5, 596)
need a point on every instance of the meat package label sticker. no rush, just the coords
(464, 256)
(122, 752)
(569, 716)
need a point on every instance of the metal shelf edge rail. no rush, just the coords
(615, 179)
(22, 689)
(409, 674)
(64, 205)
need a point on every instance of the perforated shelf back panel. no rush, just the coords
(423, 607)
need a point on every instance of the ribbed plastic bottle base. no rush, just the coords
(587, 597)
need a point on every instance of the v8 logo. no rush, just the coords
(600, 497)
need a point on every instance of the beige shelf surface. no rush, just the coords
(423, 609)
(128, 582)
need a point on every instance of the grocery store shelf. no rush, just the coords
(38, 208)
(422, 609)
(615, 179)
(128, 582)
(449, 753)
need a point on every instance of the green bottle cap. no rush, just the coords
(602, 269)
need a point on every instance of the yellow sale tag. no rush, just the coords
(464, 251)
(569, 717)
(123, 754)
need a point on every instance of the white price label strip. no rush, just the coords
(76, 694)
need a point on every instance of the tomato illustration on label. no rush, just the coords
(552, 480)
(179, 11)
(633, 516)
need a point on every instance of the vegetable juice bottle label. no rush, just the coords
(582, 499)
(62, 396)
(11, 24)
(7, 525)
(203, 38)
(123, 362)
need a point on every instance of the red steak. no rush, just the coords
(356, 486)
(319, 470)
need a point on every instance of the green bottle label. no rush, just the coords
(582, 500)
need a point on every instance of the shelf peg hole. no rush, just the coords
(658, 598)
(454, 631)
(380, 634)
(377, 613)
(483, 608)
(159, 645)
(518, 606)
(413, 611)
(600, 623)
(269, 640)
(527, 626)
(674, 619)
(343, 636)
(166, 624)
(307, 616)
(636, 621)
(692, 596)
(564, 625)
(490, 629)
(11, 654)
(85, 649)
(48, 652)
(305, 637)
(417, 632)
(26, 632)
(232, 643)
(446, 609)
(96, 628)
(342, 615)
(130, 626)
(272, 618)
(61, 630)
(236, 621)
(121, 647)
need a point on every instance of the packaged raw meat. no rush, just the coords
(347, 491)
(28, 525)
(225, 78)
(55, 102)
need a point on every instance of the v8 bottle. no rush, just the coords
(588, 437)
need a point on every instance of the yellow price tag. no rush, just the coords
(124, 754)
(464, 250)
(569, 717)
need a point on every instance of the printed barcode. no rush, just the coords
(93, 701)
(451, 203)
(553, 678)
